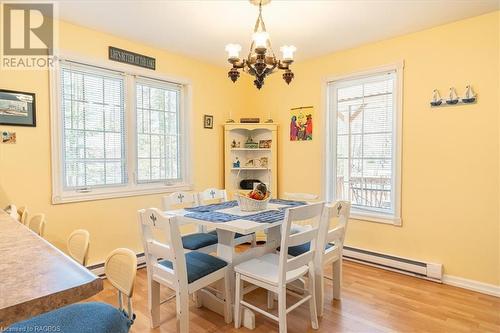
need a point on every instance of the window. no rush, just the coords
(116, 133)
(157, 132)
(364, 141)
(93, 113)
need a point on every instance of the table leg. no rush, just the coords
(225, 250)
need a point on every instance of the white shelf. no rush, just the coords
(250, 149)
(243, 168)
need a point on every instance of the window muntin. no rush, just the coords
(93, 115)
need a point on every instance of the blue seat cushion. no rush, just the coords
(236, 235)
(198, 265)
(92, 317)
(303, 248)
(198, 240)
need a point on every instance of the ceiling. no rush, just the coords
(201, 29)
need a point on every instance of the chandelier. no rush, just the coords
(261, 60)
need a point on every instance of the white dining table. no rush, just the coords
(226, 249)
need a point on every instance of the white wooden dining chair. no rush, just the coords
(199, 240)
(274, 271)
(37, 224)
(78, 246)
(185, 273)
(214, 195)
(330, 246)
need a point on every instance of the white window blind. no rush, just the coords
(364, 155)
(92, 105)
(157, 105)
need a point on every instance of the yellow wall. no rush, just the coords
(450, 176)
(25, 174)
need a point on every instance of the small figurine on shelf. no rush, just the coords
(236, 162)
(233, 144)
(238, 145)
(264, 162)
(251, 144)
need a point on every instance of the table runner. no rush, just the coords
(211, 212)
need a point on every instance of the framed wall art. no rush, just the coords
(17, 108)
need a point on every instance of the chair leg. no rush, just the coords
(237, 302)
(282, 309)
(227, 298)
(312, 301)
(270, 300)
(154, 302)
(337, 278)
(182, 300)
(320, 288)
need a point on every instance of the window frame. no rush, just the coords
(330, 146)
(132, 187)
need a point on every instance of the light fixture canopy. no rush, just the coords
(261, 60)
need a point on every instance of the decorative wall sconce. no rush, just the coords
(469, 97)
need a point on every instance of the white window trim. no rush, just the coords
(132, 188)
(331, 141)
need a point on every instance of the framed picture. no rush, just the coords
(17, 108)
(301, 123)
(265, 143)
(208, 121)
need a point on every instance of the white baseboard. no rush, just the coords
(480, 287)
(98, 269)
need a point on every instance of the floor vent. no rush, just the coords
(425, 270)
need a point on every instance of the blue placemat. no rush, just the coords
(212, 207)
(210, 212)
(213, 216)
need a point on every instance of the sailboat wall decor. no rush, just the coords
(469, 97)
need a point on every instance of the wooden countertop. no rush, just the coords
(36, 277)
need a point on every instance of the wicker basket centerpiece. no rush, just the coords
(255, 200)
(248, 204)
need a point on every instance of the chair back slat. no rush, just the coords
(313, 213)
(211, 195)
(179, 200)
(151, 220)
(300, 260)
(302, 237)
(160, 250)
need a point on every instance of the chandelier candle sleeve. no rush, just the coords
(261, 60)
(233, 51)
(287, 52)
(260, 39)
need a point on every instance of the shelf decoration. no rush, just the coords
(250, 143)
(469, 97)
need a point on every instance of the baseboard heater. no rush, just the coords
(425, 270)
(98, 269)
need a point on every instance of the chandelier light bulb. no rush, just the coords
(287, 52)
(233, 51)
(260, 38)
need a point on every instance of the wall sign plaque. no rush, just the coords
(131, 58)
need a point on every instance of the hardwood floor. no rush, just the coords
(373, 301)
